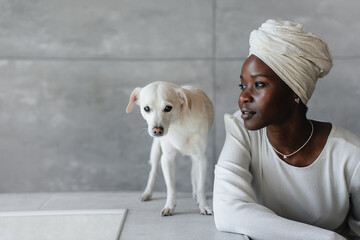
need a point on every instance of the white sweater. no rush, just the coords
(259, 195)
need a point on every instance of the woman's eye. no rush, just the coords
(259, 84)
(242, 86)
(146, 109)
(167, 108)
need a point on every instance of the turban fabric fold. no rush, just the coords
(297, 57)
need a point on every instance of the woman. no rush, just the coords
(280, 175)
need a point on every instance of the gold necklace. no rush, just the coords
(289, 155)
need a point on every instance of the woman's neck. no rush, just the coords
(289, 136)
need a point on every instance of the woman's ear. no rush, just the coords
(134, 97)
(184, 98)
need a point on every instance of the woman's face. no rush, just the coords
(264, 99)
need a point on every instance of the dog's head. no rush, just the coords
(161, 104)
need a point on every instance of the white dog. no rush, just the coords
(179, 119)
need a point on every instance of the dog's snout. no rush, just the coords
(158, 131)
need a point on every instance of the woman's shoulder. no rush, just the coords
(234, 125)
(344, 137)
(233, 119)
(234, 116)
(336, 134)
(234, 122)
(346, 146)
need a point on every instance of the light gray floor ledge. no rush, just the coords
(143, 220)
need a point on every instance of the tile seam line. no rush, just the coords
(95, 59)
(214, 80)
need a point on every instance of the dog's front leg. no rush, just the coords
(155, 155)
(201, 162)
(194, 170)
(168, 168)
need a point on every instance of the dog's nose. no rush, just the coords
(158, 131)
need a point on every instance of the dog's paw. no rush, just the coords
(146, 197)
(205, 210)
(167, 211)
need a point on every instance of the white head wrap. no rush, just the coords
(297, 57)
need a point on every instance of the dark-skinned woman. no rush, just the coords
(281, 176)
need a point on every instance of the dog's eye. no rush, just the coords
(146, 109)
(167, 108)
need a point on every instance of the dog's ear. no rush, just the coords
(184, 98)
(133, 99)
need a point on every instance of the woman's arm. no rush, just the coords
(235, 207)
(354, 217)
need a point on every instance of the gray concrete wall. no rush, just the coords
(67, 69)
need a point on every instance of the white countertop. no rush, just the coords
(143, 220)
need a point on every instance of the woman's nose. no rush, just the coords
(245, 96)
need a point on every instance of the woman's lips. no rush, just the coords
(247, 113)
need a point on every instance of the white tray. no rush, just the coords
(62, 225)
